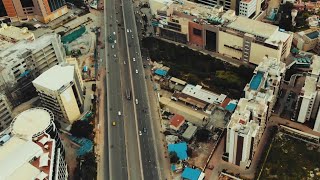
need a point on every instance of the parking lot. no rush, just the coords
(288, 98)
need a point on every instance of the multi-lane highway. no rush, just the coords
(115, 161)
(148, 155)
(128, 153)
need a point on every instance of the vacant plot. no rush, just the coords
(290, 158)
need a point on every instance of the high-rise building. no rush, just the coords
(42, 10)
(308, 104)
(60, 90)
(249, 120)
(33, 149)
(5, 112)
(244, 131)
(24, 61)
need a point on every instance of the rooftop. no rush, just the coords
(313, 35)
(11, 34)
(177, 120)
(56, 77)
(179, 81)
(246, 111)
(26, 158)
(19, 50)
(315, 66)
(199, 93)
(309, 87)
(254, 27)
(192, 174)
(31, 122)
(180, 149)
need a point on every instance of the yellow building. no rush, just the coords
(60, 90)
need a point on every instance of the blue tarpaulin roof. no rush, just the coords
(85, 68)
(161, 72)
(86, 145)
(180, 149)
(173, 167)
(191, 174)
(230, 107)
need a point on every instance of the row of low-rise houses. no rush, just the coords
(250, 117)
(216, 30)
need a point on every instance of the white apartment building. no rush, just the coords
(5, 112)
(10, 35)
(307, 98)
(308, 104)
(24, 61)
(244, 131)
(248, 8)
(32, 150)
(265, 83)
(249, 120)
(61, 90)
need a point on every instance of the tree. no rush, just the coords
(81, 128)
(173, 157)
(203, 135)
(87, 167)
(189, 152)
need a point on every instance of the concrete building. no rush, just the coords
(306, 40)
(42, 10)
(33, 149)
(176, 122)
(250, 117)
(24, 61)
(244, 131)
(5, 112)
(308, 104)
(10, 35)
(307, 98)
(265, 83)
(248, 8)
(222, 32)
(61, 90)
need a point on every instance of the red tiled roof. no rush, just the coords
(177, 120)
(225, 102)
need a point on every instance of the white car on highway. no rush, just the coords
(127, 30)
(130, 30)
(119, 113)
(137, 101)
(137, 71)
(112, 46)
(140, 133)
(114, 33)
(133, 59)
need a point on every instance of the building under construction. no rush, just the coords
(21, 63)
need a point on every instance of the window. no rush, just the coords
(197, 32)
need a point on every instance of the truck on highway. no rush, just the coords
(128, 94)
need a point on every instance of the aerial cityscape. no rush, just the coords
(159, 89)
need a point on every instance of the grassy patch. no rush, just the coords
(197, 68)
(229, 76)
(292, 159)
